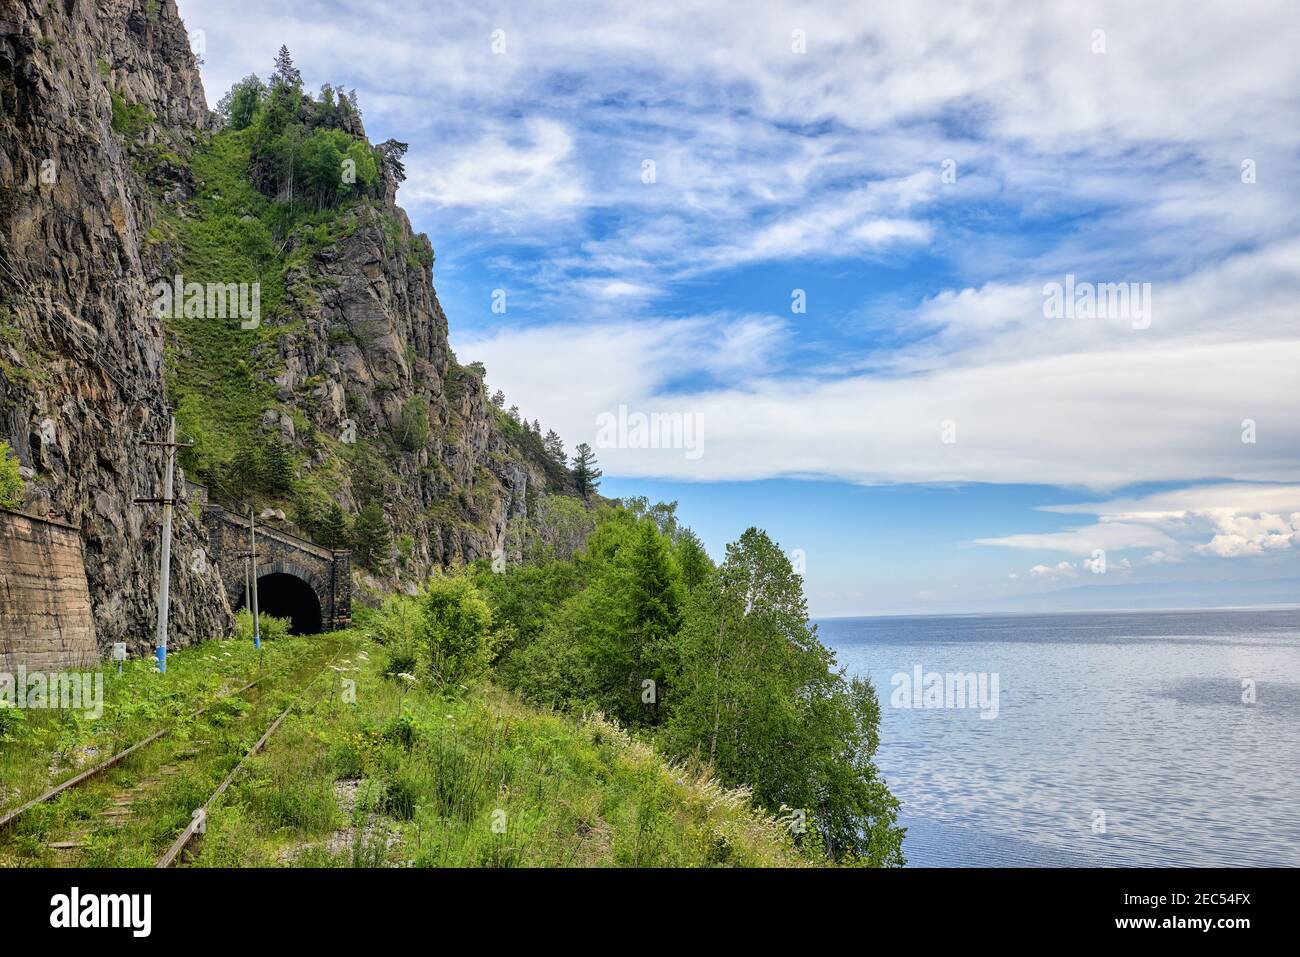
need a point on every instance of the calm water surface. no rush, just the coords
(1137, 716)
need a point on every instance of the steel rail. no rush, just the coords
(116, 759)
(198, 820)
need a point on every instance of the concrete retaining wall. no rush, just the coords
(45, 615)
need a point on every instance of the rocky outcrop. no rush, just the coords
(369, 344)
(101, 110)
(81, 355)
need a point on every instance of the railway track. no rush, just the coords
(199, 820)
(102, 788)
(84, 776)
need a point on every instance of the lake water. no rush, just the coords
(1119, 738)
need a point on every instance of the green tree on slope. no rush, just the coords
(241, 105)
(456, 629)
(585, 474)
(759, 697)
(372, 538)
(332, 528)
(614, 634)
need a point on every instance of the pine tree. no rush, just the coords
(332, 529)
(555, 448)
(305, 514)
(392, 152)
(692, 559)
(537, 427)
(368, 479)
(585, 474)
(276, 467)
(285, 74)
(372, 538)
(499, 399)
(652, 600)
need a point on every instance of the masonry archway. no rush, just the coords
(288, 591)
(327, 572)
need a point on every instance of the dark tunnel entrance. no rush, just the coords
(288, 596)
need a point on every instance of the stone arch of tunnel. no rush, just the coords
(288, 591)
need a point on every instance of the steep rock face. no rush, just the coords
(101, 112)
(370, 343)
(81, 355)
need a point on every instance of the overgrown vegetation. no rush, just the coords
(44, 746)
(370, 769)
(714, 665)
(430, 775)
(128, 815)
(11, 483)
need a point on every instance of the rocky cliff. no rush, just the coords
(114, 176)
(81, 355)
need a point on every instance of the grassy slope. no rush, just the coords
(347, 784)
(408, 776)
(157, 788)
(44, 747)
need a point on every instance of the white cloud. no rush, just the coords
(1102, 419)
(1227, 520)
(1158, 558)
(1252, 534)
(514, 178)
(618, 290)
(762, 152)
(1107, 536)
(1122, 166)
(1050, 572)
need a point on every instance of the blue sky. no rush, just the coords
(655, 187)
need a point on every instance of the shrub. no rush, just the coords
(272, 628)
(395, 621)
(456, 629)
(11, 719)
(11, 483)
(129, 119)
(413, 431)
(401, 731)
(397, 625)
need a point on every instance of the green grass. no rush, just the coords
(410, 776)
(367, 771)
(48, 746)
(222, 374)
(165, 781)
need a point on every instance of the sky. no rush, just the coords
(970, 307)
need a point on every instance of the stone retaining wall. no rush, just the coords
(45, 616)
